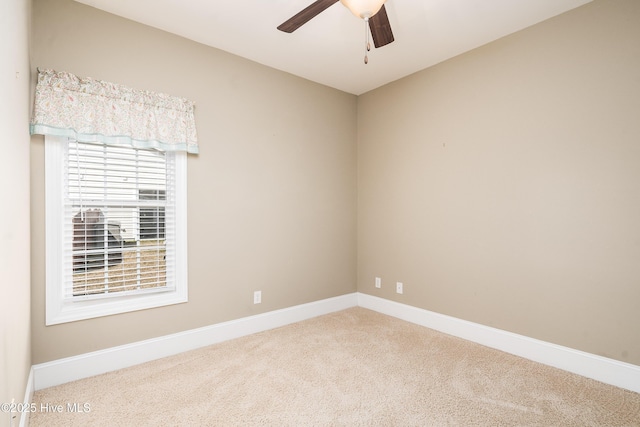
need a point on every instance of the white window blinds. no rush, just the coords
(119, 216)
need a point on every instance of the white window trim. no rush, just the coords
(60, 311)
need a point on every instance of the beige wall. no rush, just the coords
(503, 186)
(272, 195)
(15, 350)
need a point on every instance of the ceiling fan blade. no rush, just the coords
(305, 15)
(381, 28)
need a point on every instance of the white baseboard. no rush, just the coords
(98, 362)
(28, 398)
(600, 368)
(609, 371)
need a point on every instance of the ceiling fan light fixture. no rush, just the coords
(364, 9)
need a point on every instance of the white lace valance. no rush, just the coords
(93, 110)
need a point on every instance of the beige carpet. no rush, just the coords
(351, 368)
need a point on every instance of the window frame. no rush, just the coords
(58, 310)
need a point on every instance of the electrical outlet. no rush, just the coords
(257, 297)
(378, 282)
(399, 287)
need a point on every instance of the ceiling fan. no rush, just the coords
(372, 11)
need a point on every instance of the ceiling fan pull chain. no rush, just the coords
(366, 39)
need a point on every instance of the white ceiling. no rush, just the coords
(329, 49)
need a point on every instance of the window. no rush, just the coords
(116, 229)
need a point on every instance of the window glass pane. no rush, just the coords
(117, 200)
